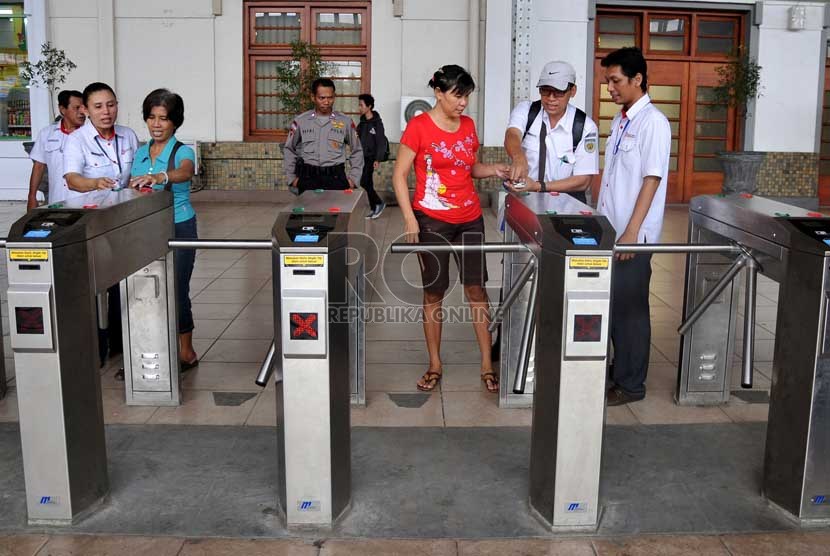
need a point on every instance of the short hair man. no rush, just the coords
(633, 197)
(553, 144)
(315, 151)
(47, 152)
(375, 145)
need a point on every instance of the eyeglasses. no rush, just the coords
(555, 93)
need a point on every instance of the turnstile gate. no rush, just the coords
(791, 246)
(318, 274)
(518, 268)
(573, 249)
(58, 259)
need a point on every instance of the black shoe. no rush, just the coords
(618, 396)
(119, 375)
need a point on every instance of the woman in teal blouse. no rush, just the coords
(166, 163)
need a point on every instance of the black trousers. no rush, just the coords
(335, 180)
(367, 182)
(631, 323)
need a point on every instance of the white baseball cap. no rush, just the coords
(557, 75)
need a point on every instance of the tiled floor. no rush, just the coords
(774, 544)
(233, 310)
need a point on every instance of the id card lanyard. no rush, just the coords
(117, 160)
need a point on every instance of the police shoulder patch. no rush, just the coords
(590, 145)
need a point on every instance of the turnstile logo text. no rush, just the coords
(308, 505)
(304, 326)
(820, 499)
(49, 500)
(576, 507)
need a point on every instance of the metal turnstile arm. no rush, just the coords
(752, 268)
(513, 294)
(710, 297)
(220, 244)
(458, 247)
(528, 332)
(267, 368)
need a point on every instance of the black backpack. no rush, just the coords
(579, 122)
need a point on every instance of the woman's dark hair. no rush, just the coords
(65, 95)
(452, 79)
(631, 62)
(94, 88)
(367, 99)
(170, 101)
(321, 82)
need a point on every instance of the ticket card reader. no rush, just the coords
(574, 255)
(318, 245)
(58, 260)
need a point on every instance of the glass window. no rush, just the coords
(667, 34)
(269, 111)
(15, 115)
(716, 28)
(616, 32)
(339, 28)
(707, 164)
(715, 46)
(347, 82)
(716, 36)
(277, 27)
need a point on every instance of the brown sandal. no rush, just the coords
(430, 381)
(491, 382)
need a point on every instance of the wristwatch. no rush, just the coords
(543, 187)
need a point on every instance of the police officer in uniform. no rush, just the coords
(553, 144)
(315, 151)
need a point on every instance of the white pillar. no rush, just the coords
(498, 37)
(36, 34)
(106, 43)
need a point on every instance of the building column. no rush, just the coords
(498, 37)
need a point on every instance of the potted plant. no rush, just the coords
(739, 82)
(50, 71)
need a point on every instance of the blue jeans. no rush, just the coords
(184, 261)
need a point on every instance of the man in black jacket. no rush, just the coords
(375, 150)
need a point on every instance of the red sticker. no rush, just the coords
(334, 209)
(586, 212)
(814, 214)
(90, 206)
(554, 194)
(348, 191)
(746, 195)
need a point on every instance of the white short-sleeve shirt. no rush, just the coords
(561, 161)
(48, 149)
(639, 146)
(92, 156)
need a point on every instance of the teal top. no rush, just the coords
(142, 164)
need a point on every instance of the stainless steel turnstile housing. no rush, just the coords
(318, 270)
(513, 322)
(791, 246)
(574, 255)
(58, 260)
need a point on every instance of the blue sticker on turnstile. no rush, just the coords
(37, 233)
(584, 241)
(306, 238)
(827, 241)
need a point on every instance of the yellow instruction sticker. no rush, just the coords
(303, 260)
(588, 262)
(28, 255)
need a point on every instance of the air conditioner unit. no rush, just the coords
(412, 106)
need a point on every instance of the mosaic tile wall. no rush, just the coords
(240, 166)
(789, 175)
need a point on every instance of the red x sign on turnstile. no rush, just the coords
(303, 326)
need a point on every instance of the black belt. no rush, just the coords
(304, 170)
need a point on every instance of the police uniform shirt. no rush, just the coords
(561, 161)
(92, 156)
(321, 141)
(48, 149)
(639, 146)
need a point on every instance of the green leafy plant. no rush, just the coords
(50, 71)
(294, 78)
(739, 81)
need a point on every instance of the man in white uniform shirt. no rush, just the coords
(47, 152)
(633, 196)
(552, 144)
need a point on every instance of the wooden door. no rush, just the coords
(710, 128)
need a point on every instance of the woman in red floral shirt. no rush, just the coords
(442, 144)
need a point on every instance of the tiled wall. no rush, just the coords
(785, 174)
(239, 166)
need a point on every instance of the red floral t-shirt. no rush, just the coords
(444, 161)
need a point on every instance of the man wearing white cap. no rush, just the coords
(553, 144)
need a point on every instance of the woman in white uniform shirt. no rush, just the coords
(99, 155)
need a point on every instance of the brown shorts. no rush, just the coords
(435, 269)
